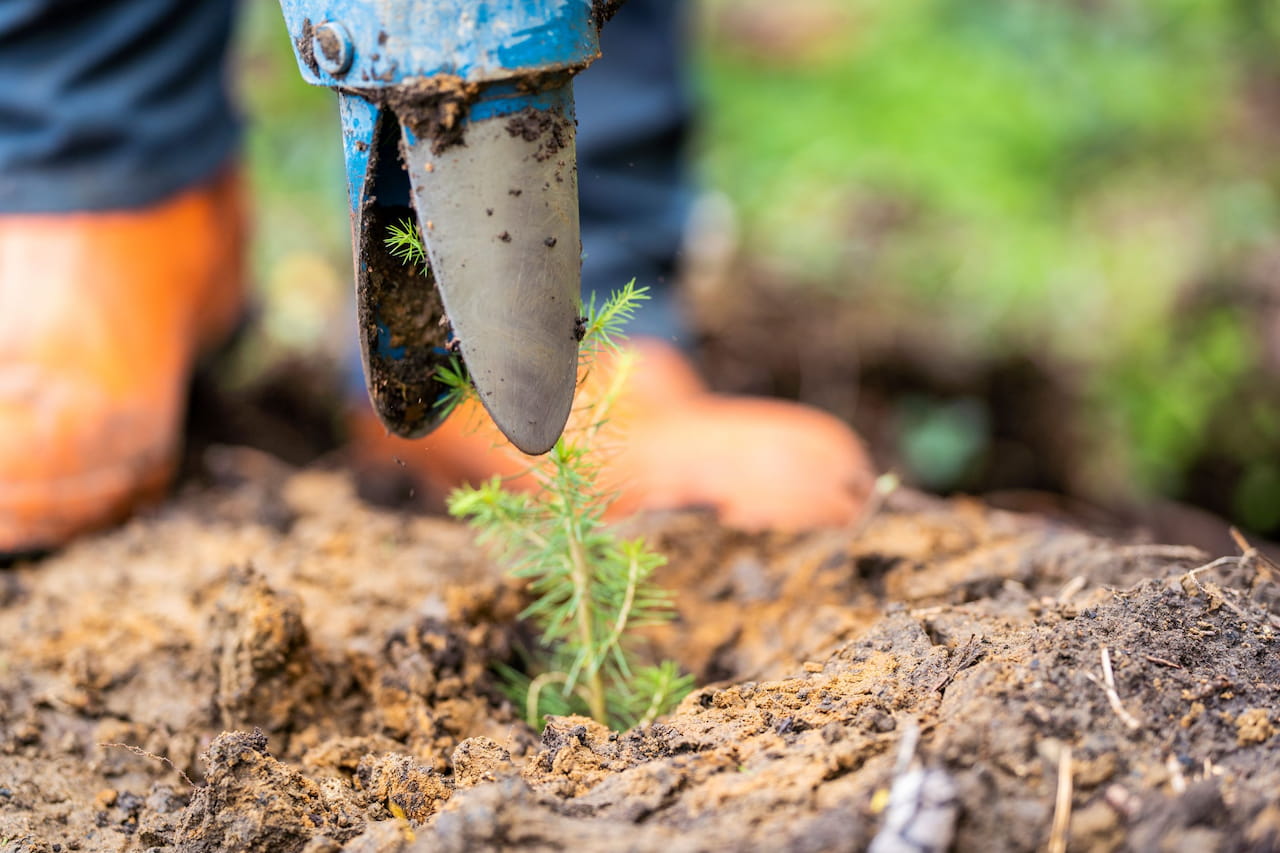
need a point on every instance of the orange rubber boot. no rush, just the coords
(761, 464)
(101, 317)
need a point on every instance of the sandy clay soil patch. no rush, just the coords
(316, 675)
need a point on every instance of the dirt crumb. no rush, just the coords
(402, 785)
(432, 107)
(1097, 826)
(305, 44)
(603, 10)
(1088, 773)
(1254, 726)
(549, 128)
(479, 759)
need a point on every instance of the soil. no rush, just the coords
(432, 107)
(402, 319)
(269, 663)
(399, 309)
(549, 128)
(602, 11)
(305, 44)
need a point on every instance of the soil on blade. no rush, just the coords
(320, 672)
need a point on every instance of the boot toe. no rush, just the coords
(759, 463)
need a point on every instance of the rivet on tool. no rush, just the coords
(331, 44)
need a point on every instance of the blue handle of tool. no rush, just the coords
(364, 44)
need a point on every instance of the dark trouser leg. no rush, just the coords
(633, 119)
(110, 104)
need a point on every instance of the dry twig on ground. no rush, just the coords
(1062, 804)
(1108, 685)
(137, 750)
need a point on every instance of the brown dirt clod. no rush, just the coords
(432, 107)
(549, 128)
(252, 802)
(403, 785)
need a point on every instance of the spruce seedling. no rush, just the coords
(405, 245)
(592, 591)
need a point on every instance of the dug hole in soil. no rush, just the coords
(269, 664)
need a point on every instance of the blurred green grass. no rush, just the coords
(1072, 181)
(301, 247)
(1093, 183)
(1063, 169)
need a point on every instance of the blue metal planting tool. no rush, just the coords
(459, 114)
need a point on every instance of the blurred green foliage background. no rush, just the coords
(1090, 184)
(1093, 184)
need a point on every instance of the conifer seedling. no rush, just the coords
(592, 591)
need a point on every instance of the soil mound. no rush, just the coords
(271, 664)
